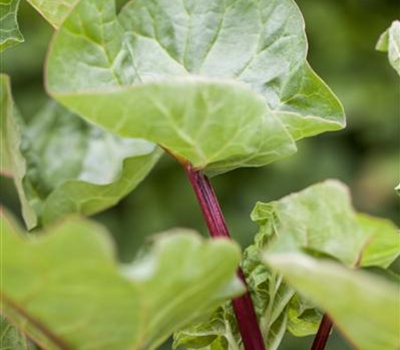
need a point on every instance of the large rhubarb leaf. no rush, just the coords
(389, 42)
(364, 307)
(62, 164)
(9, 30)
(64, 289)
(318, 221)
(220, 84)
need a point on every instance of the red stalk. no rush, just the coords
(322, 336)
(243, 306)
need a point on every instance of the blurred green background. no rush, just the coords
(342, 36)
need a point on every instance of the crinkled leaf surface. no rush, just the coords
(70, 166)
(389, 42)
(364, 307)
(54, 11)
(218, 334)
(274, 301)
(10, 34)
(11, 338)
(320, 220)
(65, 290)
(222, 84)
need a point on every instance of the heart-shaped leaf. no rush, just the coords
(10, 34)
(220, 84)
(64, 165)
(65, 290)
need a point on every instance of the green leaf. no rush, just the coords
(220, 84)
(55, 12)
(11, 338)
(363, 306)
(318, 221)
(321, 221)
(9, 30)
(64, 289)
(397, 189)
(11, 131)
(389, 42)
(70, 166)
(316, 231)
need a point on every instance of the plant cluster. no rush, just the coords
(217, 85)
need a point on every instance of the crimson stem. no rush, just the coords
(243, 306)
(322, 336)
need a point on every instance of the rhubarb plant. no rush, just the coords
(217, 85)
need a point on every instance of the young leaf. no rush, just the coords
(363, 306)
(389, 42)
(218, 334)
(65, 290)
(321, 221)
(54, 12)
(70, 166)
(275, 304)
(217, 83)
(10, 34)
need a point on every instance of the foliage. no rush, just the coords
(305, 239)
(164, 65)
(66, 165)
(64, 289)
(370, 302)
(220, 85)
